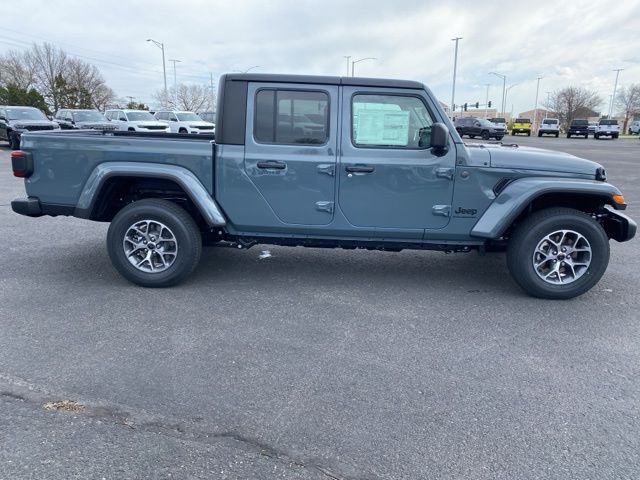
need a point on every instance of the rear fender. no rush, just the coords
(203, 201)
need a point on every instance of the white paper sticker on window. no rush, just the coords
(382, 127)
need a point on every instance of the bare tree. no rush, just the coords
(192, 98)
(573, 102)
(87, 80)
(629, 100)
(17, 69)
(50, 64)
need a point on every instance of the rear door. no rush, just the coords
(291, 150)
(389, 179)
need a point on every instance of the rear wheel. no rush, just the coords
(154, 243)
(558, 253)
(539, 134)
(568, 135)
(557, 135)
(472, 136)
(528, 134)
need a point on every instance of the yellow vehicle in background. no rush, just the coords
(521, 125)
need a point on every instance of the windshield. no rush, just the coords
(137, 116)
(25, 114)
(497, 120)
(608, 122)
(88, 116)
(579, 122)
(188, 117)
(523, 120)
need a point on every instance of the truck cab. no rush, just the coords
(607, 128)
(521, 125)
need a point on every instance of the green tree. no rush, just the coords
(136, 106)
(14, 95)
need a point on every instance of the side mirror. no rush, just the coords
(439, 138)
(122, 119)
(173, 119)
(4, 119)
(476, 124)
(67, 119)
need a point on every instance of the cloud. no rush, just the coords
(569, 44)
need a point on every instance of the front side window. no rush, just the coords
(390, 121)
(291, 117)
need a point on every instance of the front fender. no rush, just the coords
(516, 196)
(206, 205)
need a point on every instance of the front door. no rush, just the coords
(389, 179)
(291, 151)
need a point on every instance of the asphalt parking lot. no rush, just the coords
(314, 364)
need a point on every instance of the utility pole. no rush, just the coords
(455, 68)
(348, 57)
(486, 102)
(164, 68)
(535, 109)
(546, 110)
(175, 83)
(615, 87)
(213, 98)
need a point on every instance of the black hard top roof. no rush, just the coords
(325, 80)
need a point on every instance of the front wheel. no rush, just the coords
(558, 253)
(154, 243)
(485, 135)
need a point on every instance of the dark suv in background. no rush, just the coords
(578, 128)
(15, 120)
(69, 119)
(479, 127)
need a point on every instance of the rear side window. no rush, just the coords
(291, 117)
(391, 121)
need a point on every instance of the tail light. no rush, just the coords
(21, 163)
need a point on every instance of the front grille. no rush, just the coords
(155, 127)
(205, 128)
(33, 128)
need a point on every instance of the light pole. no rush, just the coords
(455, 68)
(175, 83)
(348, 57)
(164, 68)
(504, 85)
(486, 101)
(535, 109)
(615, 86)
(546, 110)
(506, 92)
(353, 64)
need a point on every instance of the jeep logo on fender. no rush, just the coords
(466, 211)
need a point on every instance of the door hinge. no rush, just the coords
(441, 210)
(445, 173)
(328, 168)
(325, 206)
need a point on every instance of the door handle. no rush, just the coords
(274, 165)
(360, 169)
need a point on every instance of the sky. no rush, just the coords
(567, 43)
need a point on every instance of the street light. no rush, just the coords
(164, 68)
(348, 57)
(504, 85)
(506, 92)
(535, 109)
(455, 68)
(353, 64)
(546, 110)
(486, 101)
(247, 70)
(175, 82)
(615, 87)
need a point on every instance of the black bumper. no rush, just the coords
(27, 206)
(619, 226)
(32, 207)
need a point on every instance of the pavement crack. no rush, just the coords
(15, 389)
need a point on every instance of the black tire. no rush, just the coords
(14, 141)
(539, 134)
(596, 136)
(557, 135)
(499, 137)
(485, 135)
(568, 135)
(183, 130)
(181, 225)
(528, 134)
(615, 136)
(586, 137)
(533, 229)
(130, 129)
(472, 136)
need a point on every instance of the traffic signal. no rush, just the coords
(477, 104)
(465, 107)
(489, 103)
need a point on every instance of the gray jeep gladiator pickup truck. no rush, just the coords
(327, 162)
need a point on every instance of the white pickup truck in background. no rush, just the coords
(607, 128)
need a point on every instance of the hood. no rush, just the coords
(27, 123)
(200, 123)
(105, 124)
(530, 158)
(149, 123)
